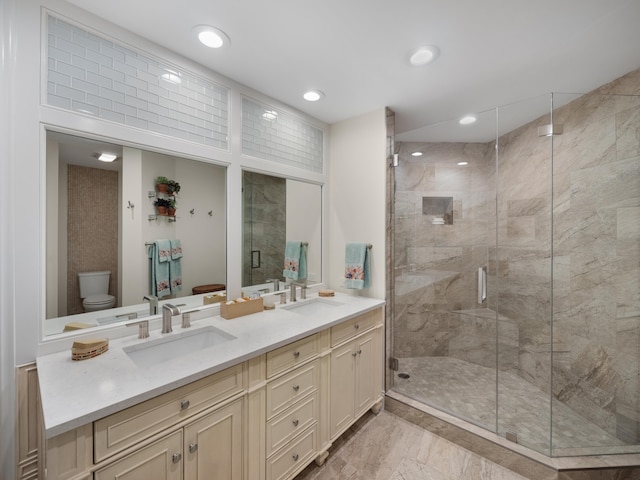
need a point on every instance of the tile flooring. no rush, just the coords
(387, 447)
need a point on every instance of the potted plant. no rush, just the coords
(174, 187)
(171, 209)
(162, 184)
(162, 205)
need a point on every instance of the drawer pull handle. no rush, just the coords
(176, 457)
(295, 423)
(193, 447)
(356, 326)
(184, 404)
(296, 388)
(296, 354)
(295, 457)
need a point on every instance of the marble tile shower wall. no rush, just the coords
(595, 177)
(93, 75)
(264, 226)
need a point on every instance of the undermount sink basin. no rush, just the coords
(313, 306)
(175, 345)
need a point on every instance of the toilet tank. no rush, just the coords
(93, 283)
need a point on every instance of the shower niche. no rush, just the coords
(438, 210)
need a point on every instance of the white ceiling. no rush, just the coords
(493, 52)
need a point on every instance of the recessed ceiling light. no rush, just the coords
(463, 163)
(423, 55)
(107, 157)
(211, 37)
(467, 120)
(313, 95)
(416, 154)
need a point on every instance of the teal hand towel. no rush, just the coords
(295, 260)
(160, 254)
(357, 266)
(176, 249)
(175, 267)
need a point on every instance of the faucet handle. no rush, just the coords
(186, 319)
(143, 330)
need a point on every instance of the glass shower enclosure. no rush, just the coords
(516, 286)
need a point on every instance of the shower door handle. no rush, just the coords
(482, 284)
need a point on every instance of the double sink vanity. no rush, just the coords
(256, 397)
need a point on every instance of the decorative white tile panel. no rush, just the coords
(92, 75)
(280, 137)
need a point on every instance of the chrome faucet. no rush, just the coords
(276, 283)
(168, 311)
(303, 290)
(153, 304)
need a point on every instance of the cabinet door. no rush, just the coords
(342, 388)
(365, 373)
(161, 460)
(213, 445)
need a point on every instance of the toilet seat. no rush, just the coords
(100, 299)
(97, 302)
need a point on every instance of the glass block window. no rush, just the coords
(96, 76)
(280, 137)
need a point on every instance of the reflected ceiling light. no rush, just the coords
(467, 120)
(550, 130)
(171, 77)
(313, 95)
(107, 157)
(416, 154)
(211, 37)
(463, 163)
(424, 55)
(270, 115)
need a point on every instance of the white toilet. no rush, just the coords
(94, 290)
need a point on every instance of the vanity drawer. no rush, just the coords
(127, 427)
(295, 457)
(292, 421)
(288, 389)
(291, 355)
(354, 326)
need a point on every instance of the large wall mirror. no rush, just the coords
(276, 210)
(102, 217)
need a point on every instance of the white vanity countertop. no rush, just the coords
(75, 393)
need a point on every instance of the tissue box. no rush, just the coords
(238, 309)
(214, 298)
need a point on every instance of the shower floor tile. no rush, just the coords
(468, 391)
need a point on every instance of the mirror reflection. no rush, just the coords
(103, 219)
(277, 210)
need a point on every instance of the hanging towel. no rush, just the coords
(357, 266)
(295, 261)
(160, 255)
(176, 249)
(175, 267)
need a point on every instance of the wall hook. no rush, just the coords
(192, 211)
(131, 205)
(211, 213)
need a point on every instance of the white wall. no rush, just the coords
(304, 222)
(357, 195)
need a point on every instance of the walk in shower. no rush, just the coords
(515, 299)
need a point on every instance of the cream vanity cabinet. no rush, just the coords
(356, 370)
(193, 432)
(264, 419)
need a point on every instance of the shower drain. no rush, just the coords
(404, 375)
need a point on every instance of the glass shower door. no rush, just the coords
(444, 325)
